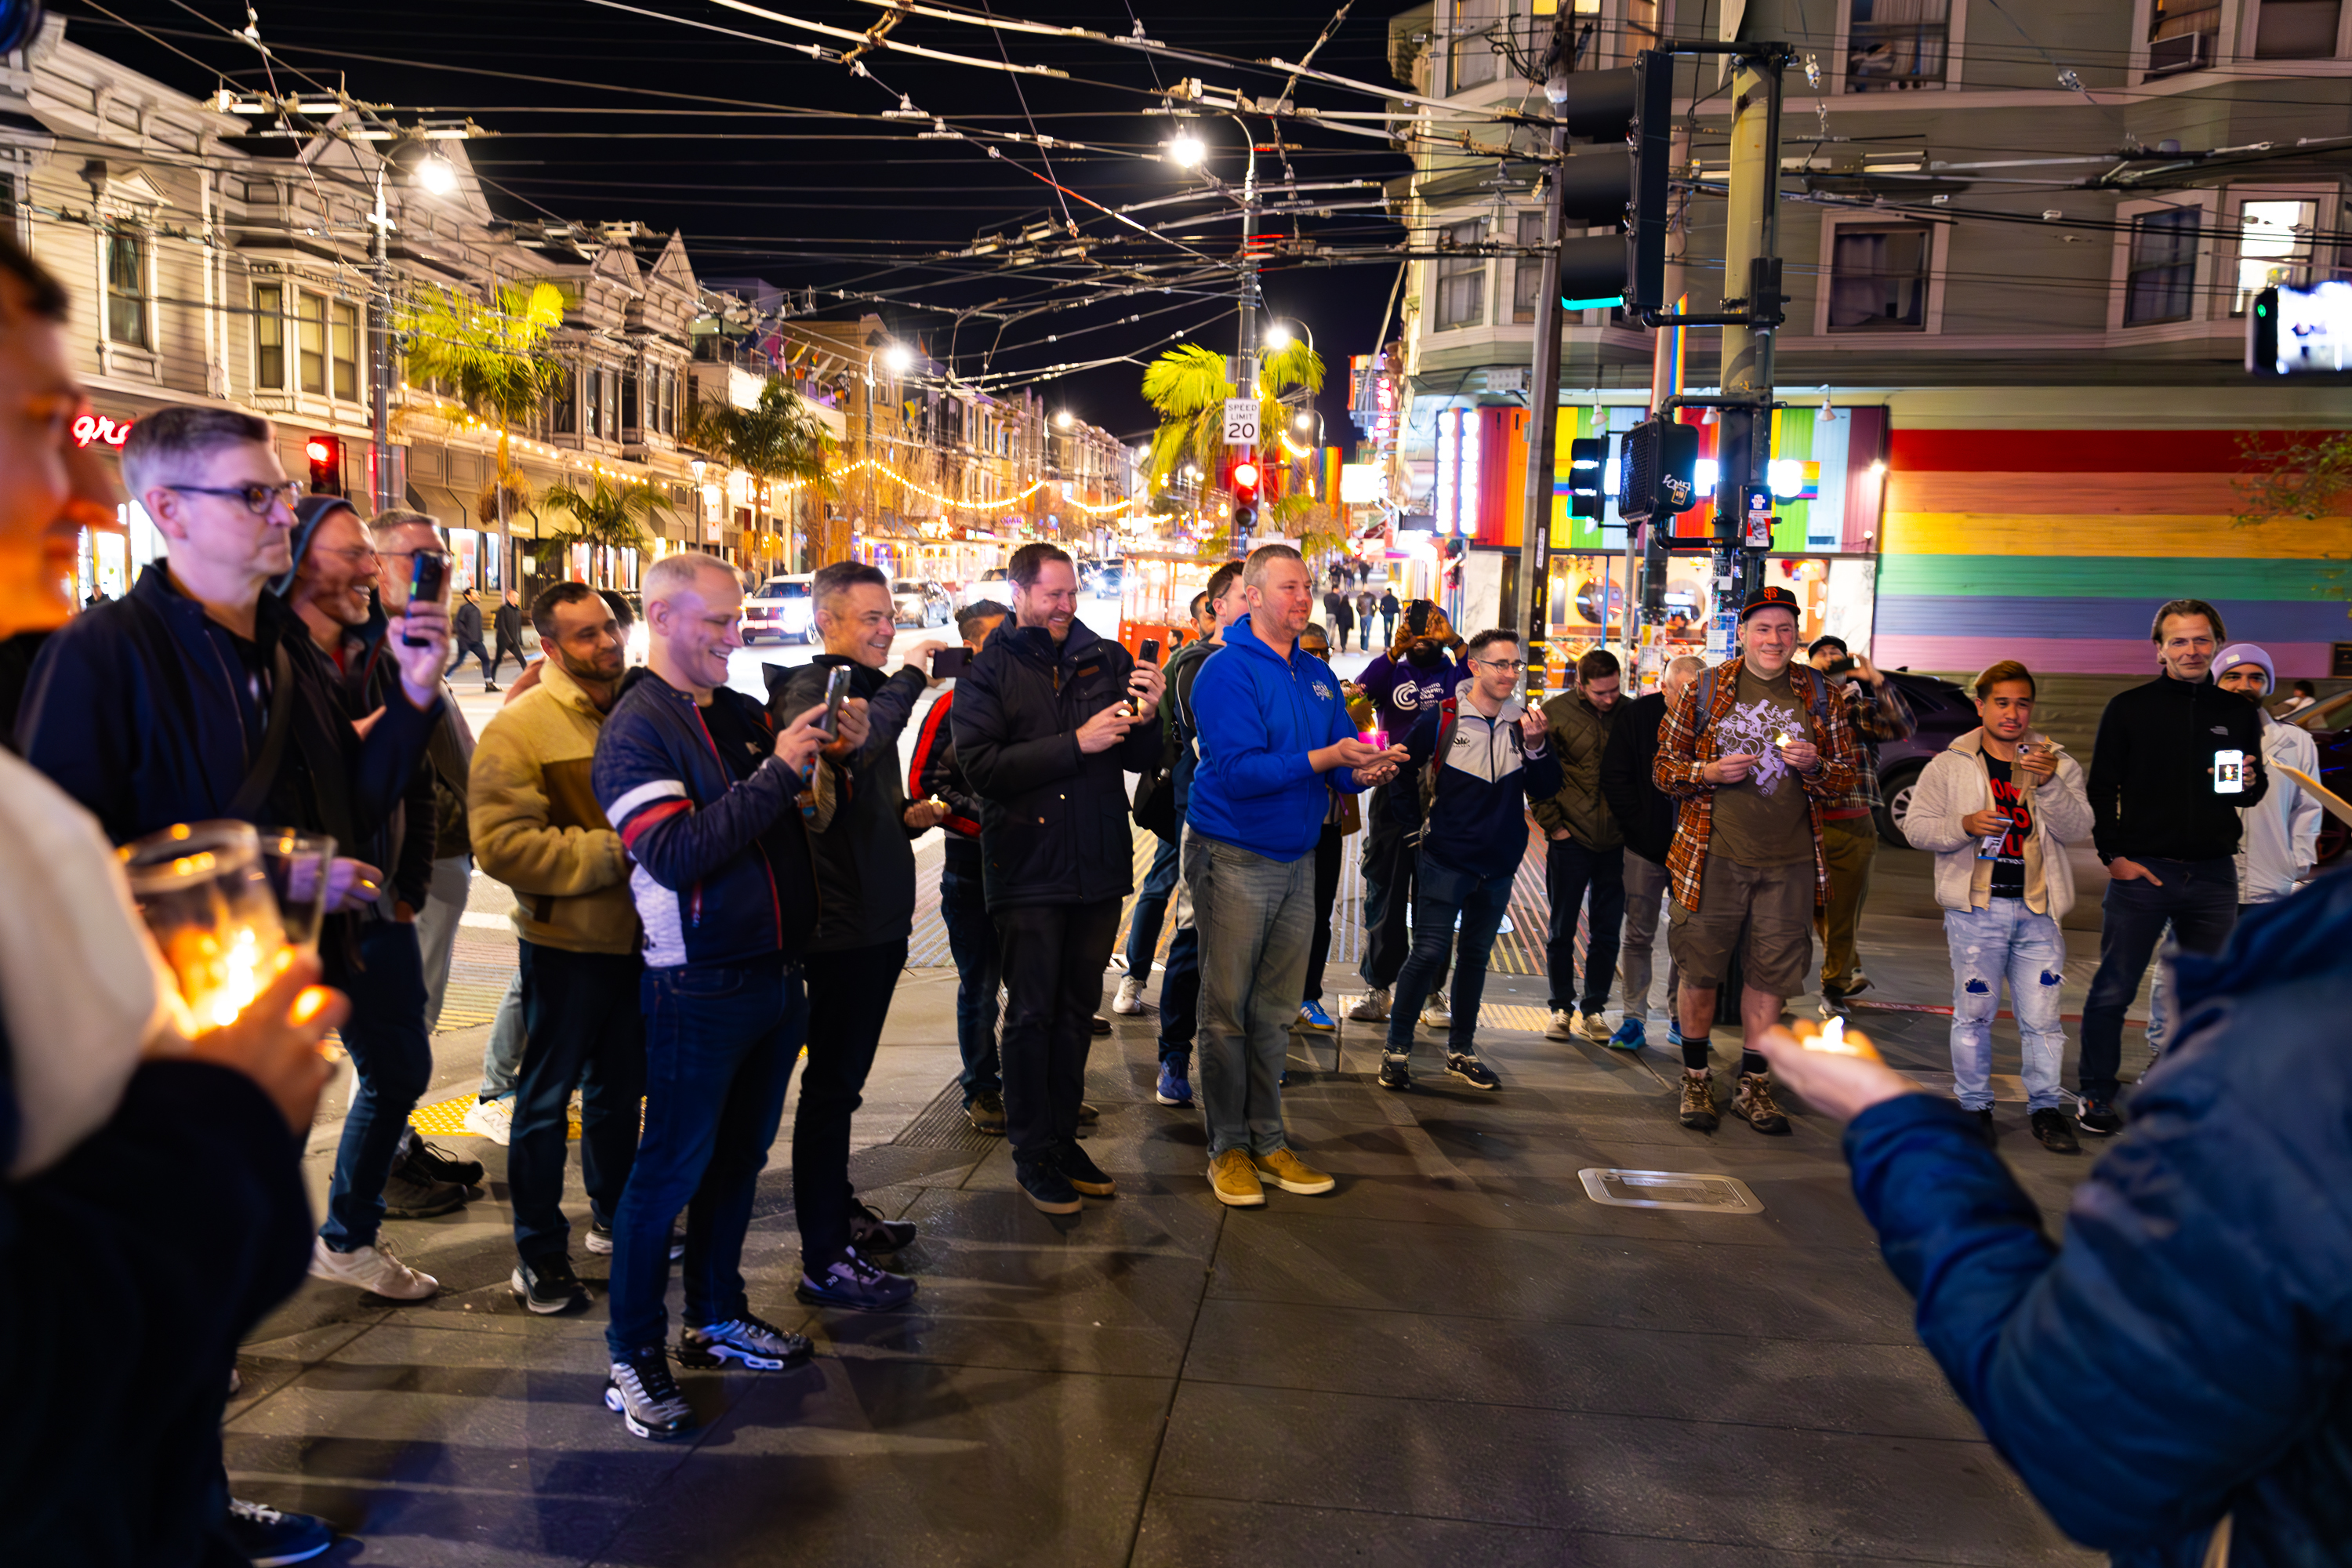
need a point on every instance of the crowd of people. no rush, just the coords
(708, 886)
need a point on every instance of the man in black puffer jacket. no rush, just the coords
(1646, 814)
(1046, 732)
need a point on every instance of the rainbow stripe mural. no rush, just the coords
(2055, 546)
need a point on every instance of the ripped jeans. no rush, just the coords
(2008, 940)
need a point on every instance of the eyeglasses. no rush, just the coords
(258, 499)
(357, 554)
(1509, 666)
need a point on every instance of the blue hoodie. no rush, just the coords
(1259, 716)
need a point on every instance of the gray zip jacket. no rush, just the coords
(1956, 783)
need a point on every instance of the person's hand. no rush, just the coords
(1375, 775)
(421, 668)
(2122, 871)
(1834, 1084)
(1801, 755)
(919, 657)
(351, 886)
(2040, 762)
(1865, 670)
(799, 742)
(1104, 730)
(1350, 752)
(924, 814)
(1559, 836)
(275, 1041)
(1729, 768)
(1532, 728)
(1986, 822)
(855, 724)
(1147, 686)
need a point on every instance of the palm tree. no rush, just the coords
(1187, 385)
(777, 440)
(491, 358)
(604, 516)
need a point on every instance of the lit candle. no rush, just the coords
(1831, 1040)
(1379, 738)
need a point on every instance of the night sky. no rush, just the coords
(778, 167)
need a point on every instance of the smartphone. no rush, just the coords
(2229, 773)
(425, 577)
(947, 663)
(1148, 651)
(1838, 666)
(837, 692)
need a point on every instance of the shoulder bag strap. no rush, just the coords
(251, 794)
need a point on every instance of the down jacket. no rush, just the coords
(1956, 783)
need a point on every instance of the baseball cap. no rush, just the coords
(1768, 598)
(2239, 652)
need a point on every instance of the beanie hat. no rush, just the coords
(2239, 652)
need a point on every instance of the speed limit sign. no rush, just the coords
(1241, 421)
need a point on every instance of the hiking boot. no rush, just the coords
(1175, 1086)
(1311, 1016)
(985, 1112)
(762, 1346)
(1754, 1104)
(373, 1269)
(2098, 1116)
(548, 1286)
(1079, 1170)
(2049, 1127)
(869, 1232)
(1291, 1173)
(430, 1162)
(491, 1119)
(1372, 1007)
(1434, 1015)
(1128, 1001)
(1047, 1190)
(1562, 1026)
(405, 1197)
(1472, 1071)
(1235, 1182)
(269, 1537)
(1629, 1035)
(641, 1392)
(1699, 1102)
(849, 1281)
(1395, 1073)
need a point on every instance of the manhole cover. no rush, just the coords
(1669, 1190)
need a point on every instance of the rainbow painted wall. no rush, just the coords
(2055, 546)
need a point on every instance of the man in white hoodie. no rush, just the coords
(1997, 810)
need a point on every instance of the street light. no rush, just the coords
(1186, 150)
(436, 174)
(1303, 421)
(898, 357)
(1277, 337)
(1065, 419)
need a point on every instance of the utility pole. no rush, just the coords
(1530, 607)
(1750, 266)
(1246, 356)
(1666, 368)
(384, 494)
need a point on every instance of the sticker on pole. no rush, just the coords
(1241, 421)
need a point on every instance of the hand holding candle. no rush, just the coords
(277, 1040)
(1836, 1071)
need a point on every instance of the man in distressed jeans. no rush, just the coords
(1997, 810)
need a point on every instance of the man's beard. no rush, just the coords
(1423, 654)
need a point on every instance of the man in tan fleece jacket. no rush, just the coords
(536, 827)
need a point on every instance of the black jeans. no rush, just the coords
(1054, 959)
(2199, 898)
(849, 998)
(393, 1059)
(1571, 868)
(583, 1027)
(1327, 854)
(1389, 867)
(508, 650)
(979, 973)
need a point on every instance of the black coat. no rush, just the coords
(1053, 826)
(865, 859)
(508, 621)
(1645, 812)
(466, 621)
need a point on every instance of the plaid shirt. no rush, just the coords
(1877, 714)
(1684, 750)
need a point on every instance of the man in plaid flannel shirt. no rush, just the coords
(1754, 769)
(1850, 829)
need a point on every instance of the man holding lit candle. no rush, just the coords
(1752, 750)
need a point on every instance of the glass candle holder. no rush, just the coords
(298, 865)
(207, 900)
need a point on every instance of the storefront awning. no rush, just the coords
(441, 504)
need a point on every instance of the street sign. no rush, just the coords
(1241, 421)
(1758, 532)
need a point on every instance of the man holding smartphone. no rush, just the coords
(1877, 711)
(2174, 762)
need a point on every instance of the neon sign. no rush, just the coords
(97, 428)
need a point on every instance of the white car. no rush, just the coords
(917, 602)
(781, 610)
(990, 585)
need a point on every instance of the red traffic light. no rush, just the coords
(319, 450)
(1245, 475)
(326, 454)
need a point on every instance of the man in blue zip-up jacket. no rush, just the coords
(706, 797)
(1273, 734)
(1488, 762)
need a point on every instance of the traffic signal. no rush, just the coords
(1633, 105)
(1657, 471)
(1243, 481)
(1585, 461)
(326, 454)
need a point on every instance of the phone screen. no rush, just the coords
(837, 692)
(2229, 773)
(947, 663)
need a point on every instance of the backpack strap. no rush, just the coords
(1449, 714)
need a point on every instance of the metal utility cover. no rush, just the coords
(1669, 1190)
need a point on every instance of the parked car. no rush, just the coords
(990, 585)
(2330, 723)
(781, 611)
(918, 602)
(1945, 713)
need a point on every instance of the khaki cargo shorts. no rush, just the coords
(1774, 905)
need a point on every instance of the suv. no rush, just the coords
(2330, 723)
(1944, 713)
(780, 609)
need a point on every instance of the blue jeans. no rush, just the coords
(719, 1048)
(2006, 941)
(1251, 914)
(979, 973)
(393, 1058)
(1180, 992)
(2199, 898)
(502, 1056)
(1444, 895)
(1150, 911)
(586, 1030)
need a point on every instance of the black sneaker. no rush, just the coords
(641, 1392)
(1472, 1071)
(600, 1238)
(1985, 1129)
(1079, 1170)
(269, 1537)
(1089, 1114)
(762, 1346)
(986, 1112)
(406, 1198)
(869, 1232)
(848, 1280)
(430, 1162)
(2049, 1127)
(548, 1285)
(1395, 1073)
(2098, 1116)
(1045, 1187)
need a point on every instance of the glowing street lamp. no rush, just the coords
(1186, 150)
(898, 357)
(436, 174)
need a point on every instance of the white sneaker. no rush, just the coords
(1129, 1000)
(1561, 1027)
(371, 1268)
(1434, 1015)
(491, 1119)
(1372, 1007)
(1593, 1028)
